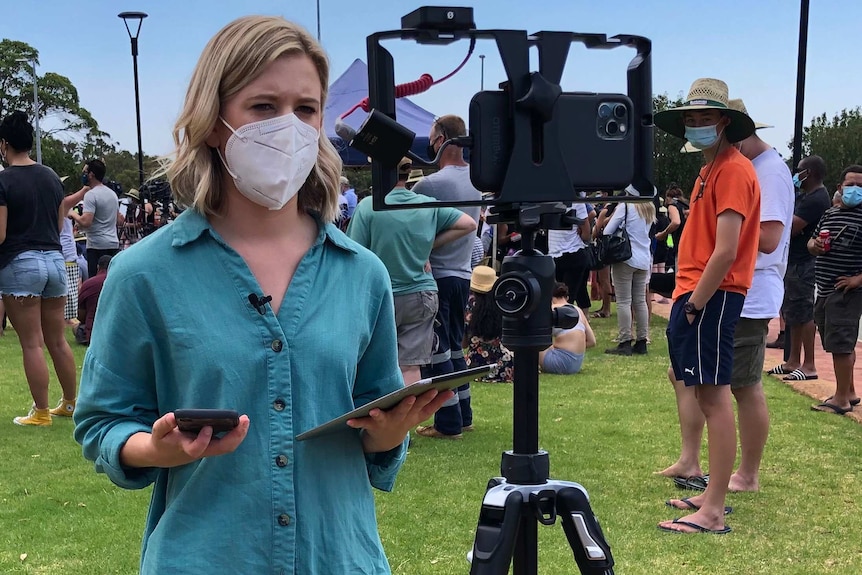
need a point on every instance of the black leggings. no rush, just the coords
(573, 270)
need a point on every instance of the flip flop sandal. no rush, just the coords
(689, 505)
(697, 528)
(853, 402)
(777, 370)
(831, 407)
(799, 375)
(695, 483)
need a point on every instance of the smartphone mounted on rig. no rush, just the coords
(529, 142)
(533, 149)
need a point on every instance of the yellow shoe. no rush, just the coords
(64, 409)
(39, 417)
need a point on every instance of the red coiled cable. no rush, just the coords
(424, 82)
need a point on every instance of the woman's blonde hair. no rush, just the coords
(232, 59)
(646, 210)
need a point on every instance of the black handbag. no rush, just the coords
(617, 247)
(594, 251)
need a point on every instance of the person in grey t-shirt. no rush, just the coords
(451, 267)
(99, 216)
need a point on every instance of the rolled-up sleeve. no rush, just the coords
(117, 396)
(377, 374)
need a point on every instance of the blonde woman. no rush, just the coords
(261, 186)
(631, 276)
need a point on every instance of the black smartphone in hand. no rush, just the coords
(193, 420)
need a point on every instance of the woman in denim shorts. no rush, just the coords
(32, 268)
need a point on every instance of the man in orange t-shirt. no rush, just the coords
(715, 266)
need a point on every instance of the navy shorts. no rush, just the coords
(701, 353)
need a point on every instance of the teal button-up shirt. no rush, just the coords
(175, 329)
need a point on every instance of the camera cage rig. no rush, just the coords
(535, 194)
(532, 98)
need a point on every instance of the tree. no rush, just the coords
(58, 97)
(838, 141)
(671, 165)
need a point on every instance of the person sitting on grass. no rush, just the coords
(484, 329)
(566, 354)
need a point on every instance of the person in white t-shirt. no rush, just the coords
(762, 304)
(570, 258)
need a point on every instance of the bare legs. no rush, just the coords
(753, 433)
(717, 406)
(691, 421)
(845, 389)
(40, 324)
(411, 373)
(801, 341)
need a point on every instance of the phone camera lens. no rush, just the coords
(620, 111)
(612, 128)
(605, 111)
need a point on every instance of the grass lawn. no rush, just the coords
(608, 428)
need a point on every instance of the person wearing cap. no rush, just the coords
(403, 240)
(716, 261)
(349, 195)
(762, 304)
(483, 330)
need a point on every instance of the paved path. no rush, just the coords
(818, 389)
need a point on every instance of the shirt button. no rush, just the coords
(284, 519)
(276, 345)
(281, 461)
(279, 404)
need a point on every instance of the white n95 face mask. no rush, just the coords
(270, 160)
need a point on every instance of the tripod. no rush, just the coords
(516, 503)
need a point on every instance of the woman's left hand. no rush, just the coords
(385, 430)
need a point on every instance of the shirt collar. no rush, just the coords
(191, 225)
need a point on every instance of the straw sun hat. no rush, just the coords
(483, 278)
(415, 176)
(735, 104)
(706, 94)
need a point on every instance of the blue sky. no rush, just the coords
(752, 45)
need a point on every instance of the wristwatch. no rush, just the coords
(689, 309)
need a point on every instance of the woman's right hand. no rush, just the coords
(167, 446)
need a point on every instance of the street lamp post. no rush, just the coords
(139, 16)
(32, 62)
(318, 20)
(482, 74)
(802, 56)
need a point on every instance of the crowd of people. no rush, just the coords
(259, 249)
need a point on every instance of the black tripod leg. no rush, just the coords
(495, 535)
(592, 552)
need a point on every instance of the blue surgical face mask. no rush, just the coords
(702, 137)
(797, 181)
(851, 196)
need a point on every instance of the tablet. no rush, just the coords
(440, 383)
